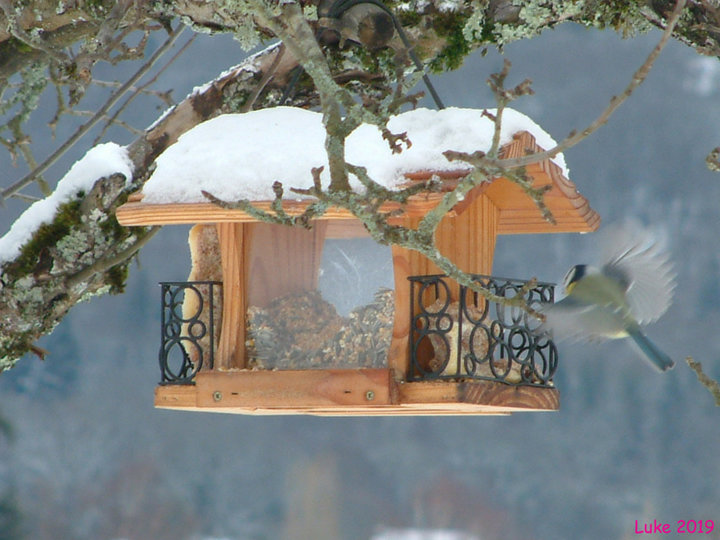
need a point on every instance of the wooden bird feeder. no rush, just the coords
(447, 353)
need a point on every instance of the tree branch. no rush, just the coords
(143, 88)
(105, 264)
(99, 115)
(576, 137)
(296, 34)
(712, 385)
(278, 215)
(30, 40)
(443, 44)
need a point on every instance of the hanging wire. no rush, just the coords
(296, 72)
(335, 12)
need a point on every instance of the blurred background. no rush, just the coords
(84, 455)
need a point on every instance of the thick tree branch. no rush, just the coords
(81, 253)
(103, 265)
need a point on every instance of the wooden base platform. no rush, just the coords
(348, 392)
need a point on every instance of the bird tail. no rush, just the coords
(655, 356)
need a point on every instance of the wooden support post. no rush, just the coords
(231, 349)
(468, 239)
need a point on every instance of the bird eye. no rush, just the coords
(569, 277)
(573, 275)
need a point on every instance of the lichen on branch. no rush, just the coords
(81, 253)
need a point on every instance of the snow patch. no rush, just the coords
(100, 161)
(239, 156)
(423, 534)
(448, 5)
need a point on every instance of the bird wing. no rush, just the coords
(633, 257)
(574, 320)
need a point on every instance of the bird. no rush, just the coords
(632, 287)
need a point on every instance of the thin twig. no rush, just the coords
(266, 78)
(60, 104)
(518, 176)
(576, 137)
(497, 84)
(278, 216)
(712, 385)
(111, 120)
(137, 91)
(27, 198)
(102, 111)
(163, 96)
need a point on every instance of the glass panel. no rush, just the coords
(345, 322)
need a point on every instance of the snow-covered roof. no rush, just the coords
(239, 156)
(100, 161)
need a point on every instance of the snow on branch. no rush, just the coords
(100, 161)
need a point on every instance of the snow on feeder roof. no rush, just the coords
(239, 156)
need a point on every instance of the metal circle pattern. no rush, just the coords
(185, 336)
(488, 340)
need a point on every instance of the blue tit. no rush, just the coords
(632, 287)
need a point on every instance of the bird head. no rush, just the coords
(575, 274)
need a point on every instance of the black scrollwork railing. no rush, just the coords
(472, 338)
(188, 326)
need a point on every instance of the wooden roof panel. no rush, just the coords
(519, 214)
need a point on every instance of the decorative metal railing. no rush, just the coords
(188, 324)
(472, 338)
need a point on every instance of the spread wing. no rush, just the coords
(572, 320)
(632, 256)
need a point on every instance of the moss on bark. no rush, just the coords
(67, 260)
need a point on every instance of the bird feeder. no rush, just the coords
(428, 347)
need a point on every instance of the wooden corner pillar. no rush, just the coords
(468, 239)
(231, 347)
